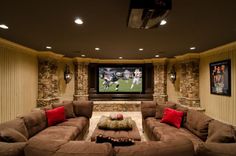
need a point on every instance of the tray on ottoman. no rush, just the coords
(118, 134)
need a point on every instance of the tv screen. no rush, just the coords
(121, 79)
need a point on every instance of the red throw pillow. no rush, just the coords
(172, 117)
(55, 115)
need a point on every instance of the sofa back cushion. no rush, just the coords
(182, 109)
(69, 110)
(220, 132)
(148, 109)
(16, 124)
(55, 116)
(35, 122)
(11, 135)
(83, 108)
(197, 123)
(160, 109)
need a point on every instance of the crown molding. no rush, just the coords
(22, 49)
(219, 50)
(188, 57)
(49, 54)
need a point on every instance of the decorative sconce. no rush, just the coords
(67, 74)
(172, 74)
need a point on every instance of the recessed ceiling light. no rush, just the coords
(140, 49)
(48, 47)
(120, 57)
(3, 26)
(83, 55)
(97, 49)
(157, 55)
(163, 22)
(192, 48)
(78, 21)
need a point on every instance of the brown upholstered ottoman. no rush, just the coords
(131, 134)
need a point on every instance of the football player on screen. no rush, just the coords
(137, 75)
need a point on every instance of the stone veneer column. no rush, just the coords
(160, 82)
(189, 83)
(47, 81)
(81, 81)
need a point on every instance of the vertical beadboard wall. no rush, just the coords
(18, 81)
(219, 107)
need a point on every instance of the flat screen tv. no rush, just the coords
(120, 79)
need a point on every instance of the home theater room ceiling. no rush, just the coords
(203, 24)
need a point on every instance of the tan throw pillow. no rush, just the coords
(10, 135)
(160, 109)
(106, 123)
(220, 133)
(69, 111)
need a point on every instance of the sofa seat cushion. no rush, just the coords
(220, 132)
(84, 148)
(79, 122)
(12, 149)
(216, 149)
(180, 147)
(168, 133)
(43, 147)
(58, 133)
(197, 123)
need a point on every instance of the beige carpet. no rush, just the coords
(136, 116)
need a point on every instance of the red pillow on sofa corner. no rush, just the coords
(172, 117)
(55, 115)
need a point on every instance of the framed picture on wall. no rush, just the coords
(220, 78)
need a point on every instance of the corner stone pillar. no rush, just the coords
(189, 83)
(47, 81)
(81, 81)
(160, 82)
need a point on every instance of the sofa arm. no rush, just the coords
(83, 108)
(12, 149)
(148, 109)
(216, 149)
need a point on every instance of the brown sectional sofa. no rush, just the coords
(29, 134)
(209, 137)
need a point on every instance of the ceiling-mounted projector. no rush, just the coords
(146, 14)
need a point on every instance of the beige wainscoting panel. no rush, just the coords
(18, 80)
(219, 107)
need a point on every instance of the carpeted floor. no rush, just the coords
(136, 116)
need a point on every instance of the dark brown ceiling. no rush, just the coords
(37, 23)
